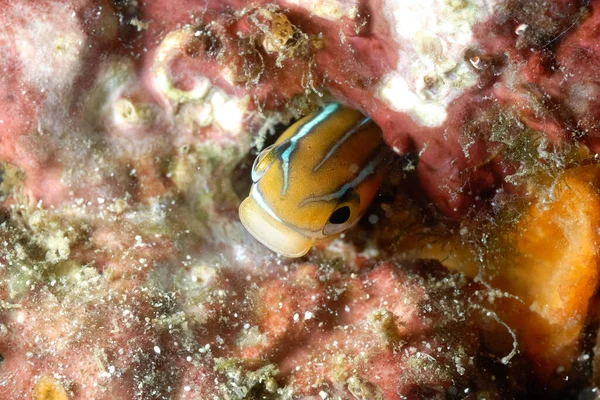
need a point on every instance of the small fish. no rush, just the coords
(315, 181)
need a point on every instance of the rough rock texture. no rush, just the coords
(164, 330)
(124, 130)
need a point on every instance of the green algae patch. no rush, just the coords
(246, 384)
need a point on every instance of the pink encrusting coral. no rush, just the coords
(421, 83)
(124, 271)
(157, 324)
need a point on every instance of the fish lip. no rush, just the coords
(272, 233)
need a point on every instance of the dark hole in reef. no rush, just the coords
(127, 11)
(340, 215)
(204, 43)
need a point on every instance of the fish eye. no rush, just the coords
(339, 220)
(340, 216)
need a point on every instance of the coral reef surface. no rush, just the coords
(127, 133)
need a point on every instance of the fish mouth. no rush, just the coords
(272, 233)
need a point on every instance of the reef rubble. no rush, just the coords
(127, 131)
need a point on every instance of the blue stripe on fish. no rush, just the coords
(303, 131)
(258, 197)
(341, 142)
(366, 172)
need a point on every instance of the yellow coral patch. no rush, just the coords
(547, 262)
(555, 271)
(281, 28)
(48, 388)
